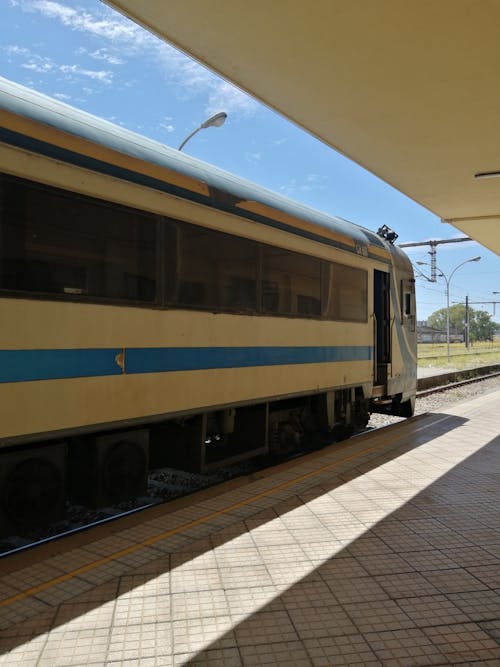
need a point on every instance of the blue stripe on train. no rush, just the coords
(26, 365)
(154, 360)
(30, 365)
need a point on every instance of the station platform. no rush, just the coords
(381, 550)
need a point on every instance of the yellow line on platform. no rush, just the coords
(191, 524)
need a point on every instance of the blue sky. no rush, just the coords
(89, 56)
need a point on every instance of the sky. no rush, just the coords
(89, 56)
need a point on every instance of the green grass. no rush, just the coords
(479, 354)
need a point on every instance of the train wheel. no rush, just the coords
(33, 493)
(405, 408)
(125, 465)
(360, 414)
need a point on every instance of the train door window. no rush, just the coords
(408, 315)
(345, 292)
(382, 320)
(215, 270)
(327, 290)
(291, 283)
(62, 243)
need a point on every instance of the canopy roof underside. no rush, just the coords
(409, 90)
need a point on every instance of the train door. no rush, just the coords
(382, 324)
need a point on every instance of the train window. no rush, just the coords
(61, 243)
(345, 293)
(408, 303)
(291, 283)
(55, 242)
(214, 270)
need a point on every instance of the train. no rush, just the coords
(159, 311)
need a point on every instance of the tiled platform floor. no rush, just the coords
(381, 551)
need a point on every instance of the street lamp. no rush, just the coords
(448, 280)
(214, 121)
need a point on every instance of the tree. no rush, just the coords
(457, 319)
(481, 326)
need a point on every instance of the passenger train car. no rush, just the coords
(158, 311)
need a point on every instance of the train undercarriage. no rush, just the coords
(38, 480)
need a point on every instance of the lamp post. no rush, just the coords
(214, 121)
(448, 280)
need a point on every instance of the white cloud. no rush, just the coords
(108, 25)
(104, 76)
(226, 97)
(39, 64)
(253, 158)
(188, 77)
(311, 182)
(167, 128)
(13, 50)
(102, 54)
(314, 182)
(289, 188)
(33, 62)
(44, 65)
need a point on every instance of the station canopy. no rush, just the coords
(409, 90)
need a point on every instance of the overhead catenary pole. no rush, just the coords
(466, 322)
(447, 280)
(484, 303)
(433, 243)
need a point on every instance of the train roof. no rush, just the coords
(24, 102)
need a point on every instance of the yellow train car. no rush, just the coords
(158, 310)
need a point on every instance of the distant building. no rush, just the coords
(426, 334)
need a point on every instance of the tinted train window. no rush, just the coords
(291, 283)
(55, 242)
(345, 293)
(213, 270)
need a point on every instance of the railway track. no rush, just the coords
(438, 385)
(167, 485)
